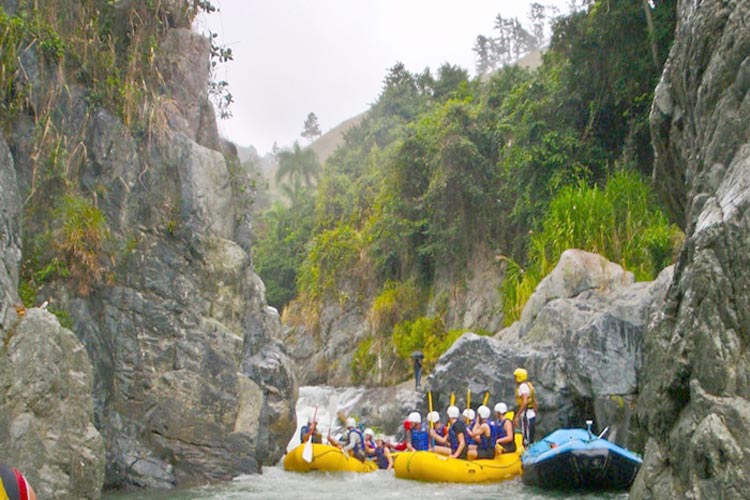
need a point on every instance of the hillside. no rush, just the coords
(327, 143)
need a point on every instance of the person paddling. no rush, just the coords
(381, 453)
(13, 485)
(481, 434)
(504, 432)
(355, 441)
(454, 445)
(310, 430)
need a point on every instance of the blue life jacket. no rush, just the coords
(469, 439)
(420, 440)
(303, 431)
(359, 448)
(380, 458)
(493, 431)
(486, 443)
(500, 429)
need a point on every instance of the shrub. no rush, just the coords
(620, 222)
(81, 238)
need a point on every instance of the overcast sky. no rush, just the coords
(293, 57)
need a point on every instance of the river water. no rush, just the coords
(277, 484)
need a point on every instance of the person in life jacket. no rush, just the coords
(310, 430)
(13, 485)
(355, 445)
(526, 406)
(417, 437)
(437, 426)
(454, 444)
(503, 430)
(481, 434)
(469, 420)
(369, 436)
(381, 453)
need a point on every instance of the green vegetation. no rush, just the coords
(109, 51)
(525, 162)
(620, 222)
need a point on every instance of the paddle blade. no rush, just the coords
(307, 451)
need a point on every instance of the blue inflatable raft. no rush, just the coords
(570, 459)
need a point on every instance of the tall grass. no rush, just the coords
(621, 222)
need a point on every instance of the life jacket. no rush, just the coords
(469, 438)
(380, 458)
(485, 442)
(420, 438)
(315, 436)
(441, 429)
(359, 448)
(532, 396)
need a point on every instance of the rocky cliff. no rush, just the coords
(580, 337)
(188, 384)
(323, 353)
(695, 401)
(46, 405)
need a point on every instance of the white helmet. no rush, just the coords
(453, 412)
(350, 422)
(433, 417)
(369, 432)
(469, 413)
(501, 408)
(379, 437)
(414, 418)
(484, 412)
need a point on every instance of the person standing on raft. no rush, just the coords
(526, 406)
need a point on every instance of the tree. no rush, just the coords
(298, 165)
(312, 127)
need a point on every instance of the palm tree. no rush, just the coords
(297, 165)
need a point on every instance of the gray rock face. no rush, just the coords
(696, 379)
(10, 240)
(46, 407)
(188, 384)
(324, 356)
(580, 338)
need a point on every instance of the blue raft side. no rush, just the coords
(566, 440)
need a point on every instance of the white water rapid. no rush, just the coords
(277, 484)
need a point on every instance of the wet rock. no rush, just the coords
(696, 387)
(580, 338)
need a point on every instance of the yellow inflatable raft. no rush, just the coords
(429, 466)
(325, 458)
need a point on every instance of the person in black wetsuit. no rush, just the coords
(13, 485)
(454, 444)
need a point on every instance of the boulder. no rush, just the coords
(580, 337)
(47, 411)
(696, 376)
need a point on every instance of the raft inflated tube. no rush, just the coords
(433, 467)
(325, 458)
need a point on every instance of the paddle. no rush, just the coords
(432, 424)
(333, 406)
(603, 433)
(307, 451)
(486, 398)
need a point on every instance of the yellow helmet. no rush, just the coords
(521, 375)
